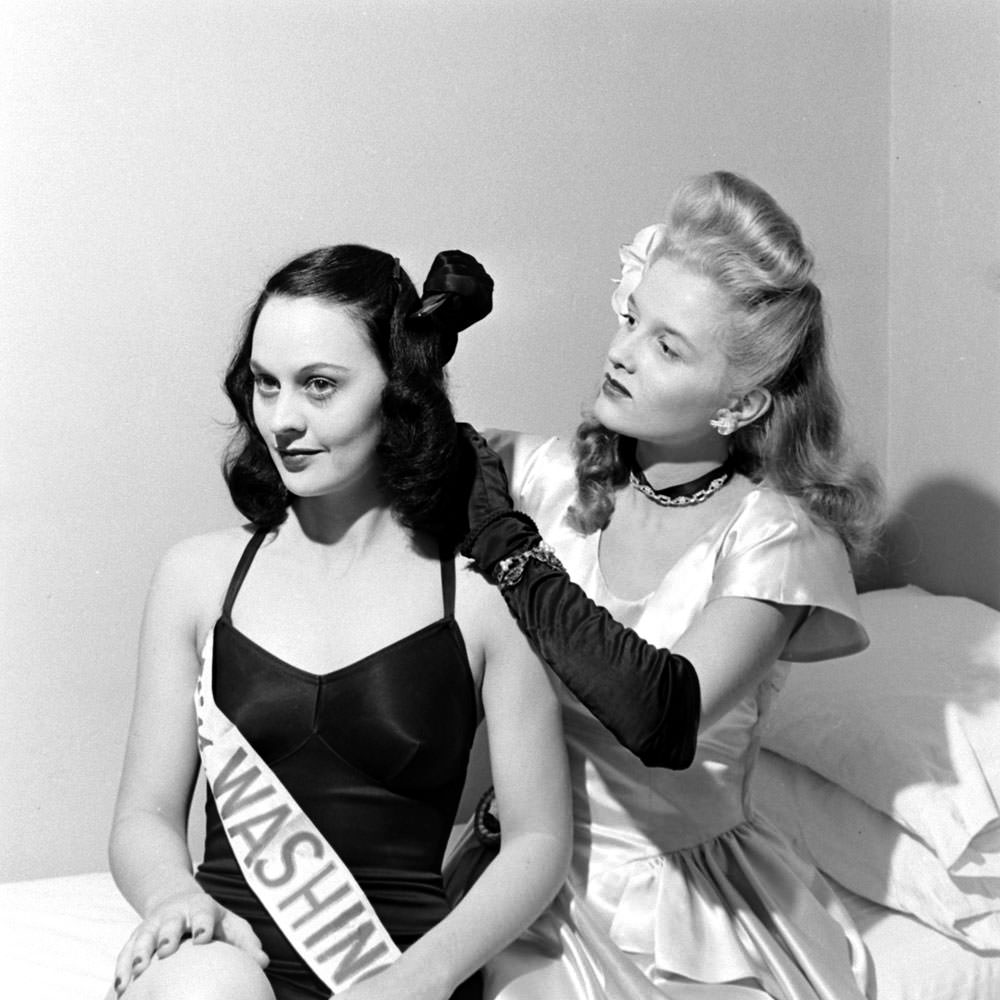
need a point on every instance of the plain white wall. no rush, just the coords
(160, 159)
(944, 298)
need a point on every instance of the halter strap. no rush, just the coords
(447, 582)
(447, 563)
(239, 574)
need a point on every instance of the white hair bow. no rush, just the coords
(635, 256)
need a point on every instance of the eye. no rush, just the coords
(265, 385)
(626, 319)
(666, 349)
(320, 388)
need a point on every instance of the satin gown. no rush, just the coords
(375, 753)
(678, 889)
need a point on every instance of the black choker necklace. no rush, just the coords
(684, 494)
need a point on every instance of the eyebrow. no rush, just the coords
(317, 367)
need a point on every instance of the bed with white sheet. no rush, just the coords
(883, 768)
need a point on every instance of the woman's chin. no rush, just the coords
(609, 414)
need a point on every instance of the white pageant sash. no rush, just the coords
(294, 872)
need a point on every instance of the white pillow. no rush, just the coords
(911, 725)
(872, 855)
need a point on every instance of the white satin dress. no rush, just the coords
(677, 888)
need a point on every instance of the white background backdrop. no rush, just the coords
(161, 159)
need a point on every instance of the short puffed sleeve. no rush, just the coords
(774, 551)
(541, 473)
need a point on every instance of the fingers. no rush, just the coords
(169, 936)
(161, 933)
(135, 956)
(467, 432)
(491, 467)
(238, 932)
(203, 915)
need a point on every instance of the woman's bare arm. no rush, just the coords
(148, 846)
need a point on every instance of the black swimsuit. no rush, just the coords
(375, 753)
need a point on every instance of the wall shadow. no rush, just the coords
(944, 537)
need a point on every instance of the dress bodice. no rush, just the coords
(375, 753)
(768, 549)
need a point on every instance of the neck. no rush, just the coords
(665, 469)
(357, 515)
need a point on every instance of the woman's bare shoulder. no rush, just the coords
(473, 593)
(201, 566)
(199, 552)
(482, 612)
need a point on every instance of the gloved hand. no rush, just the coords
(495, 530)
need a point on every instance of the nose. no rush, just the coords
(285, 418)
(621, 352)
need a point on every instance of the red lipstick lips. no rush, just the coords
(613, 388)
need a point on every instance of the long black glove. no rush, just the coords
(648, 698)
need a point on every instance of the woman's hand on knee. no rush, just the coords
(189, 915)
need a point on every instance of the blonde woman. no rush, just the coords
(707, 506)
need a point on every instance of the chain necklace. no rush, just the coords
(684, 494)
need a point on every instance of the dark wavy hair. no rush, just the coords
(418, 426)
(730, 230)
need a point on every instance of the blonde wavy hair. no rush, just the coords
(730, 230)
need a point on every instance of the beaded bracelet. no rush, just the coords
(509, 571)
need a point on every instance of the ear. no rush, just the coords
(751, 406)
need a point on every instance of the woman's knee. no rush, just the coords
(213, 971)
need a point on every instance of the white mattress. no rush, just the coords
(59, 938)
(914, 962)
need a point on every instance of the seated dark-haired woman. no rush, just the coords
(327, 666)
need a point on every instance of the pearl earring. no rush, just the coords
(725, 422)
